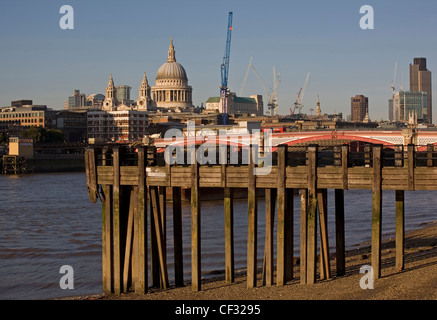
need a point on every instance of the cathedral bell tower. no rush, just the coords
(110, 102)
(144, 100)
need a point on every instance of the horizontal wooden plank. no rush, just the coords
(177, 169)
(327, 185)
(297, 185)
(104, 170)
(329, 170)
(329, 176)
(128, 181)
(128, 169)
(422, 187)
(105, 180)
(180, 183)
(425, 171)
(210, 180)
(210, 170)
(360, 170)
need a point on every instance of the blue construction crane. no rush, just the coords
(225, 73)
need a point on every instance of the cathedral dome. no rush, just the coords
(171, 89)
(171, 70)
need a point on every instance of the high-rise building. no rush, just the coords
(420, 81)
(407, 104)
(390, 110)
(123, 94)
(76, 100)
(359, 108)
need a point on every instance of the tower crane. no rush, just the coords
(245, 77)
(272, 97)
(299, 97)
(296, 103)
(225, 72)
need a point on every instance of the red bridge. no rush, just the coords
(355, 138)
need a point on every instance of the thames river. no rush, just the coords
(47, 221)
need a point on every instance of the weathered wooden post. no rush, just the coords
(116, 217)
(399, 216)
(339, 215)
(312, 215)
(400, 229)
(325, 268)
(281, 218)
(195, 224)
(141, 259)
(268, 267)
(252, 209)
(229, 220)
(177, 237)
(289, 233)
(376, 211)
(303, 235)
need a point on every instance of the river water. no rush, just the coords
(47, 221)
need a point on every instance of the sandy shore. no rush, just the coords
(418, 281)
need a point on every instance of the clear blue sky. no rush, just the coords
(40, 61)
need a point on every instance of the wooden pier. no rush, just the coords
(131, 183)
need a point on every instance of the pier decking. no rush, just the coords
(131, 183)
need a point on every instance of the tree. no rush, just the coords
(34, 133)
(39, 134)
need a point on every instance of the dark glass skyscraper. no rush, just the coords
(420, 81)
(359, 108)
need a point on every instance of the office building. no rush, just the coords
(76, 100)
(410, 104)
(420, 81)
(359, 108)
(27, 116)
(123, 126)
(122, 94)
(390, 110)
(237, 105)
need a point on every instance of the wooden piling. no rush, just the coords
(312, 216)
(339, 233)
(268, 271)
(410, 155)
(325, 267)
(251, 223)
(159, 238)
(303, 234)
(399, 215)
(177, 237)
(281, 219)
(154, 256)
(376, 211)
(140, 228)
(289, 234)
(195, 226)
(400, 229)
(127, 276)
(229, 235)
(116, 216)
(107, 240)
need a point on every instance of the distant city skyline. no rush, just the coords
(42, 62)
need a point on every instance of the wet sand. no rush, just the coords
(418, 280)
